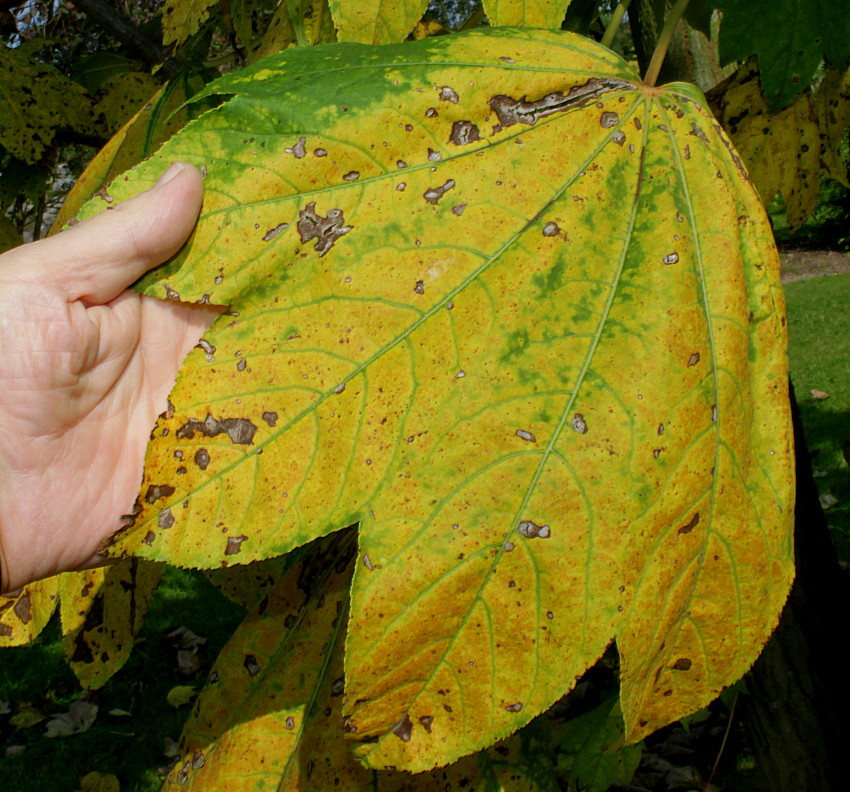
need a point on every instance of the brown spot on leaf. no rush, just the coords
(551, 229)
(433, 194)
(520, 111)
(426, 721)
(166, 519)
(157, 491)
(149, 537)
(514, 707)
(251, 665)
(608, 120)
(5, 630)
(523, 434)
(23, 608)
(404, 728)
(239, 430)
(459, 209)
(234, 545)
(202, 458)
(419, 288)
(299, 150)
(579, 424)
(448, 94)
(693, 359)
(325, 230)
(531, 530)
(463, 133)
(682, 664)
(273, 232)
(690, 526)
(270, 418)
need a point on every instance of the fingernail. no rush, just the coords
(175, 169)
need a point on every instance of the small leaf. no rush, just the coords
(79, 718)
(27, 717)
(181, 695)
(818, 394)
(99, 782)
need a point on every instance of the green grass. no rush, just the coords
(128, 747)
(819, 330)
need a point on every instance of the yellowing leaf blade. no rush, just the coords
(25, 613)
(529, 13)
(376, 21)
(521, 317)
(102, 610)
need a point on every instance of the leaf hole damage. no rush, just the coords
(434, 194)
(531, 530)
(325, 230)
(448, 95)
(273, 232)
(157, 491)
(517, 707)
(524, 434)
(521, 111)
(299, 150)
(404, 728)
(234, 545)
(251, 665)
(579, 424)
(239, 430)
(463, 133)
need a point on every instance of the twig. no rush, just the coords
(725, 737)
(664, 42)
(614, 24)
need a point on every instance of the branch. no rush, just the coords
(113, 21)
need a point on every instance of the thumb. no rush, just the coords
(99, 258)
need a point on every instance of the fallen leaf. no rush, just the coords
(120, 713)
(827, 500)
(170, 747)
(15, 750)
(818, 394)
(79, 718)
(99, 782)
(26, 717)
(181, 695)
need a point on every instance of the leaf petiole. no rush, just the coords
(614, 24)
(664, 42)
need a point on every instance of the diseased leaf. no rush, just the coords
(9, 235)
(376, 21)
(181, 19)
(781, 150)
(530, 13)
(832, 108)
(102, 610)
(280, 33)
(247, 584)
(258, 717)
(35, 98)
(79, 718)
(154, 123)
(121, 97)
(271, 711)
(25, 613)
(520, 316)
(591, 750)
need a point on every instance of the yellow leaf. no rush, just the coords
(376, 21)
(25, 613)
(832, 107)
(102, 610)
(530, 13)
(271, 712)
(518, 315)
(160, 118)
(780, 150)
(28, 716)
(280, 33)
(35, 98)
(121, 97)
(181, 695)
(99, 782)
(181, 19)
(9, 235)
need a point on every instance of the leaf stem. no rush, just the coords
(614, 24)
(664, 42)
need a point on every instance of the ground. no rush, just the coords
(803, 264)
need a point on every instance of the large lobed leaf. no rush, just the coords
(518, 315)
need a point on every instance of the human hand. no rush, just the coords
(85, 369)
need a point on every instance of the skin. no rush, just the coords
(85, 369)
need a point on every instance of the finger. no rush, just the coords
(97, 259)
